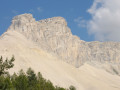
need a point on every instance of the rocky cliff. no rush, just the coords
(54, 36)
(47, 45)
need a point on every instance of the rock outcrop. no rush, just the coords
(54, 36)
(44, 46)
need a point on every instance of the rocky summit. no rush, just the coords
(48, 46)
(54, 36)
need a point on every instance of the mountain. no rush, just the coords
(48, 46)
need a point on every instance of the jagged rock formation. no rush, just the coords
(43, 45)
(54, 36)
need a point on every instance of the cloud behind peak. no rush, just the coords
(105, 22)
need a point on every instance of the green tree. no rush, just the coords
(5, 82)
(60, 88)
(2, 83)
(5, 65)
(49, 86)
(8, 83)
(13, 79)
(21, 81)
(40, 80)
(32, 79)
(72, 88)
(39, 76)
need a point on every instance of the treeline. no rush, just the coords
(24, 80)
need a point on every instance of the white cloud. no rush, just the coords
(105, 22)
(80, 22)
(38, 9)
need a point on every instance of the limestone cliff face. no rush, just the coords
(54, 36)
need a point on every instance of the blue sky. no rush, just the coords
(89, 19)
(41, 9)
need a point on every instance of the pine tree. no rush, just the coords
(5, 65)
(32, 79)
(72, 88)
(21, 81)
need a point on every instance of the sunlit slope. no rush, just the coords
(27, 54)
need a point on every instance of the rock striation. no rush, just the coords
(54, 36)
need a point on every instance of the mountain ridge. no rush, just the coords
(47, 45)
(54, 36)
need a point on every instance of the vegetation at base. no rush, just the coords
(28, 80)
(6, 64)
